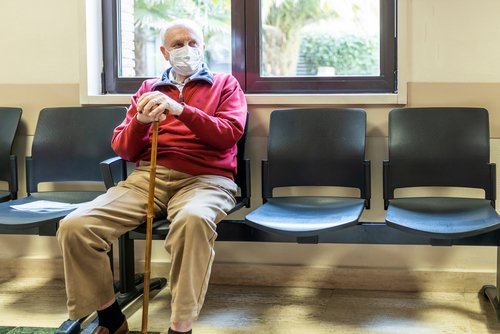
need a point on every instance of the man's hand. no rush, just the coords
(153, 106)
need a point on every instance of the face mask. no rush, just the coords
(186, 60)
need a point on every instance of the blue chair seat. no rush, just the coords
(443, 218)
(306, 216)
(12, 219)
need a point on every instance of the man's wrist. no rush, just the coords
(176, 109)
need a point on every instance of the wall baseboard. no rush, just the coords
(290, 276)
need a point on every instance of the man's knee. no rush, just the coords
(191, 227)
(194, 221)
(71, 227)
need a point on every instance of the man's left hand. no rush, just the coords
(154, 104)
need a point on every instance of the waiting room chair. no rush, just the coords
(313, 147)
(440, 147)
(131, 284)
(68, 145)
(9, 121)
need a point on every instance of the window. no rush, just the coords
(270, 46)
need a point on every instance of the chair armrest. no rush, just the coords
(367, 183)
(492, 193)
(245, 186)
(267, 190)
(388, 192)
(107, 166)
(13, 184)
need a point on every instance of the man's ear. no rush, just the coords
(164, 52)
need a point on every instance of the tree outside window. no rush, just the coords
(316, 37)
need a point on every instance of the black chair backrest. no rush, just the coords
(9, 121)
(69, 143)
(316, 147)
(442, 146)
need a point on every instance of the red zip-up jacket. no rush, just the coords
(202, 140)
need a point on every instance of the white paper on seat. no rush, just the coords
(45, 206)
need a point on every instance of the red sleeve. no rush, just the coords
(131, 137)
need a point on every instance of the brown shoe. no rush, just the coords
(123, 329)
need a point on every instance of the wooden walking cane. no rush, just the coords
(149, 228)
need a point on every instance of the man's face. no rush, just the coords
(178, 37)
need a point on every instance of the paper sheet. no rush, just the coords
(45, 206)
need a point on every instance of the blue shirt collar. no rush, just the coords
(203, 74)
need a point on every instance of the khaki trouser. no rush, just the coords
(195, 204)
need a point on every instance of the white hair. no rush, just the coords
(184, 23)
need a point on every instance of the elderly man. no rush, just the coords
(202, 116)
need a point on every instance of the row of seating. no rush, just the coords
(428, 147)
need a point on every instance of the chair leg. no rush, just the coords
(132, 284)
(127, 289)
(492, 292)
(70, 327)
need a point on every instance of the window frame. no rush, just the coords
(112, 83)
(246, 58)
(384, 83)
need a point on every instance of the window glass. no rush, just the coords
(141, 24)
(320, 38)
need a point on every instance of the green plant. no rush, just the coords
(349, 55)
(282, 21)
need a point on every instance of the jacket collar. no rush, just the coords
(203, 74)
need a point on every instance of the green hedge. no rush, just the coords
(349, 55)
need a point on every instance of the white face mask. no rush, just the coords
(186, 60)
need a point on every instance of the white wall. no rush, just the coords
(454, 40)
(39, 42)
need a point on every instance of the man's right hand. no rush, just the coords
(150, 108)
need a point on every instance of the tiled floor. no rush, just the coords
(242, 309)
